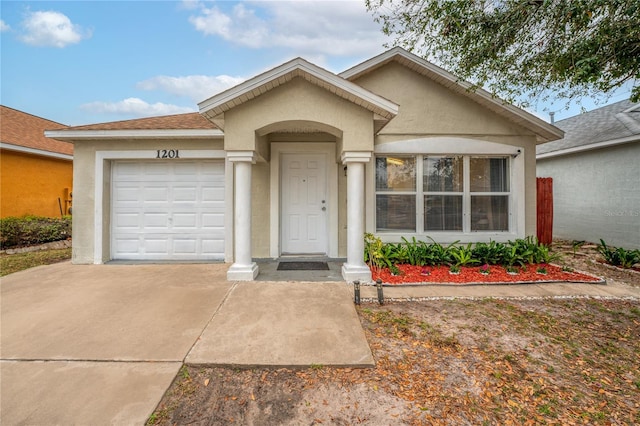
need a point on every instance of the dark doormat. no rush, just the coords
(303, 266)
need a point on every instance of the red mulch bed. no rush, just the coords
(471, 275)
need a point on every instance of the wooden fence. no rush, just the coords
(545, 210)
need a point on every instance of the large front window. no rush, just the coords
(454, 193)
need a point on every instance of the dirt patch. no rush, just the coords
(447, 362)
(586, 258)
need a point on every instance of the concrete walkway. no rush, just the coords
(100, 344)
(284, 324)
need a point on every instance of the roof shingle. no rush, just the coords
(616, 121)
(26, 130)
(192, 120)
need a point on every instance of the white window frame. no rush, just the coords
(453, 146)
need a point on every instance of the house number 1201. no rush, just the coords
(167, 153)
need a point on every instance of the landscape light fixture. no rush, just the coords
(380, 294)
(356, 292)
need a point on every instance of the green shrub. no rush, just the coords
(491, 253)
(618, 256)
(420, 253)
(463, 255)
(31, 230)
(439, 254)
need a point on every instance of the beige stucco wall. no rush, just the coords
(428, 109)
(84, 187)
(260, 209)
(298, 101)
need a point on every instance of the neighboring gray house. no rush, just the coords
(596, 175)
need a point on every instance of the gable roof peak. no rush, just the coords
(545, 132)
(214, 107)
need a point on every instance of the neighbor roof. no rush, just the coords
(545, 132)
(20, 129)
(189, 125)
(618, 122)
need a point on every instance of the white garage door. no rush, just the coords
(167, 210)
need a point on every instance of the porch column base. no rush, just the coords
(242, 272)
(356, 272)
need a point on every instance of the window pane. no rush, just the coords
(396, 212)
(489, 175)
(443, 213)
(442, 174)
(395, 174)
(490, 213)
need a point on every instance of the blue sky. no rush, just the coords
(79, 62)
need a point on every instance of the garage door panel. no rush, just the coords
(127, 193)
(127, 221)
(153, 194)
(163, 210)
(185, 193)
(185, 246)
(212, 246)
(185, 221)
(213, 193)
(153, 168)
(129, 170)
(157, 246)
(155, 220)
(212, 220)
(129, 246)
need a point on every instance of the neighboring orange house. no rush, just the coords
(36, 173)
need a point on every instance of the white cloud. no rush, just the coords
(196, 87)
(189, 4)
(306, 27)
(136, 107)
(53, 29)
(4, 26)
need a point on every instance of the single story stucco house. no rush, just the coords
(36, 172)
(302, 161)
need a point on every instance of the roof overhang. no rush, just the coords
(34, 151)
(215, 107)
(544, 131)
(78, 135)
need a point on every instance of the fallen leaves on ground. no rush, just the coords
(529, 362)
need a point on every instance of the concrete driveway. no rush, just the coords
(91, 344)
(100, 344)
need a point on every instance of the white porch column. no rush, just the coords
(243, 268)
(355, 268)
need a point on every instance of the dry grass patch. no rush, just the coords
(445, 362)
(10, 263)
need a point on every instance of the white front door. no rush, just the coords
(304, 209)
